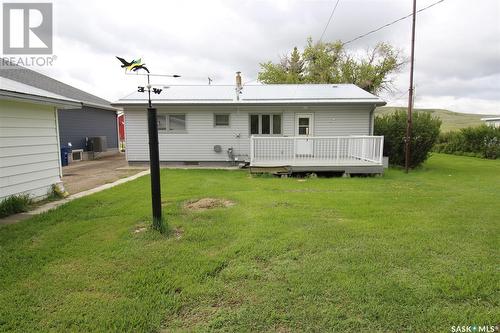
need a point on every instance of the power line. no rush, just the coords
(329, 19)
(394, 99)
(391, 23)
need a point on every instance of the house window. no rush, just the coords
(221, 120)
(276, 124)
(265, 124)
(175, 123)
(162, 122)
(254, 124)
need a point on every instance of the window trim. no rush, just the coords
(271, 125)
(222, 114)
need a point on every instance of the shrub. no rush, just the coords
(424, 135)
(481, 141)
(15, 204)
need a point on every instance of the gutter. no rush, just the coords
(99, 106)
(17, 96)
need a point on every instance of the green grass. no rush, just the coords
(451, 120)
(15, 204)
(417, 252)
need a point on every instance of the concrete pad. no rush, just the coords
(86, 175)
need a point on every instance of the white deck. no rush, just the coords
(305, 151)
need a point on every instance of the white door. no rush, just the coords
(304, 129)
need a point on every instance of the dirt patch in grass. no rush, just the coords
(208, 203)
(140, 229)
(178, 232)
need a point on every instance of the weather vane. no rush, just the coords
(133, 67)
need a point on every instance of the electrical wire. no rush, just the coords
(391, 23)
(329, 19)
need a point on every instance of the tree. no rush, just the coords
(332, 63)
(425, 133)
(289, 70)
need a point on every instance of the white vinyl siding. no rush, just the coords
(197, 143)
(346, 120)
(29, 149)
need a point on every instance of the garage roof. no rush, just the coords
(32, 78)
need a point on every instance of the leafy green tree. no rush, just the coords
(332, 63)
(424, 135)
(289, 70)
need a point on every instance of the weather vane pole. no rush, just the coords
(154, 156)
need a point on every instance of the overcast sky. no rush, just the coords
(457, 43)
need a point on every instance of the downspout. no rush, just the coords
(58, 143)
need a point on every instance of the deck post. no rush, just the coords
(381, 156)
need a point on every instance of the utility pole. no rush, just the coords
(410, 93)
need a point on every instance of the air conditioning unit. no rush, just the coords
(76, 155)
(98, 144)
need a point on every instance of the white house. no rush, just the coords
(29, 139)
(492, 121)
(304, 127)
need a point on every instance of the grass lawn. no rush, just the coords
(417, 252)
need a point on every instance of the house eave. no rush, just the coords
(22, 97)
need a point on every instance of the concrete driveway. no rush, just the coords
(85, 175)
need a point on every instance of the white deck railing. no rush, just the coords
(316, 151)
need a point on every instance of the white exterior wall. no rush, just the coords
(29, 149)
(201, 135)
(493, 123)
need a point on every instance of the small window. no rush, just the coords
(221, 120)
(162, 122)
(265, 124)
(177, 122)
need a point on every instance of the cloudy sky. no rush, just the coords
(457, 48)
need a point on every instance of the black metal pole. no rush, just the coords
(409, 124)
(154, 162)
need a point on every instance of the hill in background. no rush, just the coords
(451, 120)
